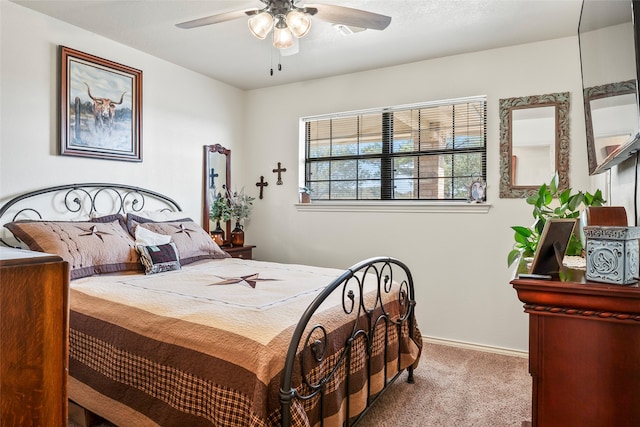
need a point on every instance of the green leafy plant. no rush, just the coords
(568, 206)
(220, 209)
(241, 205)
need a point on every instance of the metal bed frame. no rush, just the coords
(387, 274)
(351, 284)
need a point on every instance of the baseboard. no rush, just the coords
(478, 347)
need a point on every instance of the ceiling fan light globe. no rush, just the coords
(299, 23)
(261, 24)
(282, 38)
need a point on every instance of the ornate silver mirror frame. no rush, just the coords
(551, 108)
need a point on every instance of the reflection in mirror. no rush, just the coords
(609, 74)
(611, 119)
(534, 143)
(216, 180)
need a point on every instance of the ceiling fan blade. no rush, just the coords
(352, 17)
(214, 19)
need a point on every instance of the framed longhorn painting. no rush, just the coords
(101, 108)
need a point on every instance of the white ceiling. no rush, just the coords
(419, 30)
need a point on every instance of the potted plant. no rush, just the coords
(305, 195)
(240, 209)
(220, 211)
(568, 206)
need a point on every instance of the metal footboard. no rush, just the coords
(391, 282)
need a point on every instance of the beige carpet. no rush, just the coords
(454, 388)
(457, 388)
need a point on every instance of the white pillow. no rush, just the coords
(146, 237)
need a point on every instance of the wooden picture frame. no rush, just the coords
(552, 245)
(100, 108)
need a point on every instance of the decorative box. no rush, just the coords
(612, 254)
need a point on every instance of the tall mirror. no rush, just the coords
(216, 180)
(534, 143)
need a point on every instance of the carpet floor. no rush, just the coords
(454, 387)
(457, 387)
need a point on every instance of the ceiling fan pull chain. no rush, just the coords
(279, 64)
(271, 61)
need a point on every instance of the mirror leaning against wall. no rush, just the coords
(534, 143)
(216, 180)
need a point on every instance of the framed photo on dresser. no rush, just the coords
(100, 107)
(552, 245)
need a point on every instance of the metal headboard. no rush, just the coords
(84, 198)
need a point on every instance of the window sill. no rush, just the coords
(394, 207)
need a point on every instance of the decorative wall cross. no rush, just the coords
(261, 184)
(212, 176)
(279, 171)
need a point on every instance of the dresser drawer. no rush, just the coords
(244, 252)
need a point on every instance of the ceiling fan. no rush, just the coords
(288, 20)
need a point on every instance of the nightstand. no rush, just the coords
(244, 252)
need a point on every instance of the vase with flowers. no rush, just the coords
(220, 211)
(240, 205)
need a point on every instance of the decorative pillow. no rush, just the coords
(192, 242)
(89, 247)
(133, 220)
(159, 258)
(149, 238)
(110, 218)
(103, 219)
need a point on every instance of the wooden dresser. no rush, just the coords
(584, 351)
(34, 303)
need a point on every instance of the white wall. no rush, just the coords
(458, 260)
(182, 111)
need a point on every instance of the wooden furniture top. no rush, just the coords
(571, 289)
(15, 256)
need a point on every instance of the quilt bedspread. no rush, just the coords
(205, 345)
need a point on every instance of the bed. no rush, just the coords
(167, 330)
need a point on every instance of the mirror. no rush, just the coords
(612, 122)
(534, 143)
(216, 179)
(609, 73)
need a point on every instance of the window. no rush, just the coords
(430, 151)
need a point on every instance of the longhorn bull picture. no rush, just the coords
(104, 110)
(101, 105)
